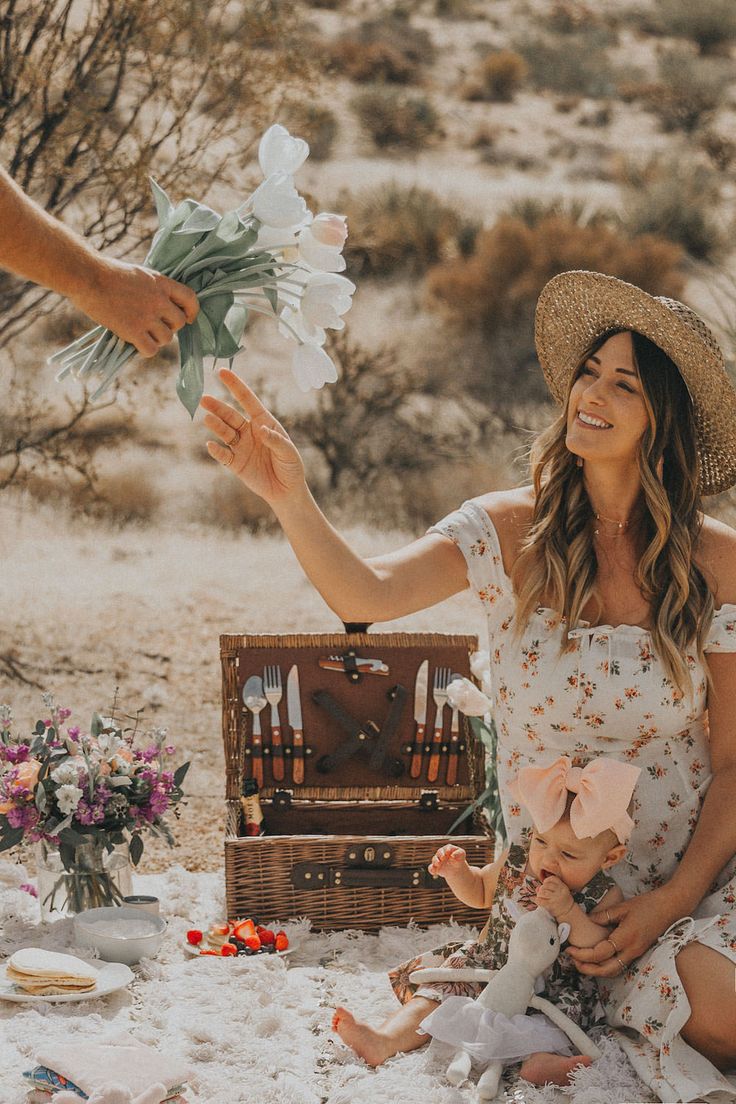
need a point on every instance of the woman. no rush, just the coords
(604, 587)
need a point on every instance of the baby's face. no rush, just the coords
(558, 851)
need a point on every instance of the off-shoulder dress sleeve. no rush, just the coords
(473, 532)
(722, 634)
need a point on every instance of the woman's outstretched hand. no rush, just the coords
(255, 447)
(635, 925)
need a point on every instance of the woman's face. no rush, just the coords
(606, 414)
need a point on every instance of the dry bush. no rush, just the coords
(569, 16)
(710, 25)
(720, 150)
(393, 228)
(393, 118)
(677, 200)
(497, 287)
(497, 78)
(122, 496)
(98, 96)
(224, 503)
(371, 62)
(571, 63)
(455, 9)
(318, 125)
(688, 92)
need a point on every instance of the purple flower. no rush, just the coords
(158, 802)
(149, 754)
(28, 888)
(169, 749)
(18, 754)
(24, 817)
(73, 732)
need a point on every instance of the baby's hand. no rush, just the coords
(448, 860)
(555, 896)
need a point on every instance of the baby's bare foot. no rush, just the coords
(367, 1043)
(555, 1069)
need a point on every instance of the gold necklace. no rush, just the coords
(621, 525)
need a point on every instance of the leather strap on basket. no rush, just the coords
(309, 875)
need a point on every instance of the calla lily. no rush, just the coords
(464, 695)
(277, 202)
(279, 152)
(321, 243)
(312, 367)
(327, 296)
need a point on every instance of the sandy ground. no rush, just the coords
(85, 613)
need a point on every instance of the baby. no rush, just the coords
(580, 829)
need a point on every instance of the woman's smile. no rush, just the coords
(591, 421)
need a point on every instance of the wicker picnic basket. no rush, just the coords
(351, 816)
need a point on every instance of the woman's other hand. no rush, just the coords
(637, 925)
(447, 860)
(255, 447)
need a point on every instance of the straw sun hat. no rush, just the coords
(575, 308)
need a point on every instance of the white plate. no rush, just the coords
(111, 976)
(191, 949)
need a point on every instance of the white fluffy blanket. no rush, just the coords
(258, 1029)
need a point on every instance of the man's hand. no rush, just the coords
(640, 922)
(555, 897)
(141, 306)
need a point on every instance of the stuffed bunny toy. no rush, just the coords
(534, 944)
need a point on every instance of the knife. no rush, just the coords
(365, 666)
(294, 712)
(420, 717)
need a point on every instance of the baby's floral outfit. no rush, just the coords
(610, 695)
(565, 986)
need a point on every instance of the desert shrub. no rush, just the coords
(454, 9)
(569, 16)
(721, 150)
(366, 62)
(570, 63)
(393, 118)
(688, 92)
(497, 77)
(318, 125)
(222, 504)
(676, 200)
(124, 495)
(395, 228)
(497, 287)
(711, 25)
(380, 422)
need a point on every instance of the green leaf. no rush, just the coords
(273, 297)
(136, 848)
(11, 838)
(40, 728)
(41, 800)
(68, 855)
(190, 384)
(202, 220)
(180, 774)
(236, 320)
(97, 725)
(206, 333)
(164, 205)
(71, 837)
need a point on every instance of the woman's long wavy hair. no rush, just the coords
(557, 566)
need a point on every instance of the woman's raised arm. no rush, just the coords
(259, 451)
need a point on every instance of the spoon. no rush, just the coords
(255, 700)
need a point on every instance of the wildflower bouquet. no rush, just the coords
(269, 256)
(82, 795)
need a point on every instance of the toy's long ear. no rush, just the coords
(514, 910)
(563, 930)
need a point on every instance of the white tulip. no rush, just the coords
(279, 152)
(464, 695)
(312, 367)
(321, 243)
(67, 798)
(277, 202)
(293, 325)
(327, 296)
(271, 237)
(67, 774)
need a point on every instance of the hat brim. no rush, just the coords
(575, 308)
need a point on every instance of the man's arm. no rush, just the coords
(143, 307)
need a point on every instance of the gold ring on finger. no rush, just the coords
(229, 462)
(615, 948)
(236, 438)
(621, 963)
(608, 916)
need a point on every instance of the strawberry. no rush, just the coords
(228, 949)
(267, 936)
(195, 937)
(244, 930)
(253, 943)
(281, 941)
(220, 929)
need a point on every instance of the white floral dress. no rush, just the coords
(610, 696)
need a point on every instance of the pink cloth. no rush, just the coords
(603, 787)
(119, 1070)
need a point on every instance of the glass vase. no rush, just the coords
(96, 877)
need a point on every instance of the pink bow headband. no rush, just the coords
(603, 787)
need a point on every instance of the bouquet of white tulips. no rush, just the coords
(269, 256)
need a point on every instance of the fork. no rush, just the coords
(273, 689)
(439, 693)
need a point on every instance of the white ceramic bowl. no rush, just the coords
(120, 934)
